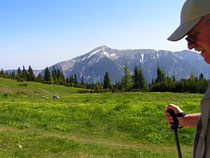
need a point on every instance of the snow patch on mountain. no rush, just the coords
(153, 57)
(84, 58)
(110, 55)
(106, 54)
(158, 55)
(142, 58)
(93, 53)
(94, 60)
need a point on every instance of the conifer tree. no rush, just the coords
(142, 82)
(19, 72)
(71, 79)
(39, 78)
(67, 80)
(19, 75)
(107, 83)
(13, 76)
(75, 80)
(47, 75)
(127, 79)
(82, 82)
(2, 73)
(174, 78)
(31, 76)
(60, 77)
(201, 77)
(6, 74)
(24, 74)
(160, 75)
(136, 77)
(54, 75)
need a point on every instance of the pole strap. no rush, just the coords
(175, 125)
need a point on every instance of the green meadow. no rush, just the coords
(89, 125)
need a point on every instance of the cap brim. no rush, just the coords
(182, 30)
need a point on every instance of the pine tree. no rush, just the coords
(82, 82)
(13, 76)
(39, 78)
(75, 80)
(19, 72)
(174, 78)
(54, 75)
(201, 77)
(19, 76)
(31, 76)
(160, 75)
(127, 79)
(6, 74)
(47, 76)
(2, 73)
(107, 83)
(60, 77)
(136, 78)
(67, 80)
(24, 74)
(142, 82)
(71, 79)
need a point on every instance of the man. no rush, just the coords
(195, 24)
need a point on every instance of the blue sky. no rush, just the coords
(41, 33)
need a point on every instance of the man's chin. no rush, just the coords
(207, 60)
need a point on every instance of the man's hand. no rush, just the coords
(176, 110)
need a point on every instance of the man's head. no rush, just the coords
(195, 23)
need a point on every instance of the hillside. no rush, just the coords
(35, 88)
(88, 125)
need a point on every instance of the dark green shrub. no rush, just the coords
(23, 85)
(6, 94)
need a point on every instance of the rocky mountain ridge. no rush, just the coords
(93, 65)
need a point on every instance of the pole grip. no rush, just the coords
(175, 124)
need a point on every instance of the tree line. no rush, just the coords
(161, 83)
(129, 82)
(54, 77)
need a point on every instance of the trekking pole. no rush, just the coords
(175, 127)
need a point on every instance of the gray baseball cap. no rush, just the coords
(192, 12)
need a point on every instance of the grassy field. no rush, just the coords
(120, 125)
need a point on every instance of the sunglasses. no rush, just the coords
(192, 38)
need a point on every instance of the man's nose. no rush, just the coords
(191, 46)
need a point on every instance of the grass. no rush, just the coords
(88, 125)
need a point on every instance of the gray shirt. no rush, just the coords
(201, 146)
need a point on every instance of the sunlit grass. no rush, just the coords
(89, 125)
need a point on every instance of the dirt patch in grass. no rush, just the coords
(3, 90)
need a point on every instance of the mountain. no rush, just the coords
(93, 65)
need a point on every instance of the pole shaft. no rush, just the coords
(177, 144)
(174, 126)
